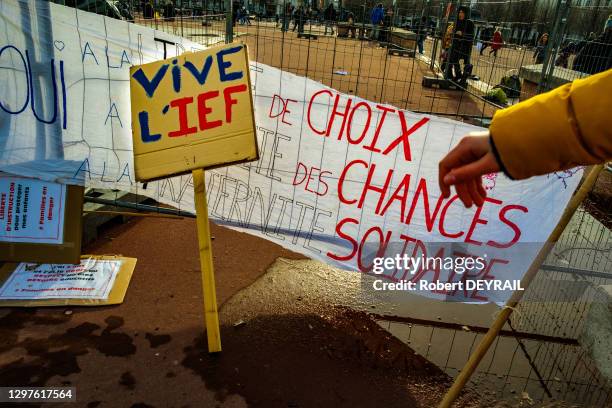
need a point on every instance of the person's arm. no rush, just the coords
(564, 128)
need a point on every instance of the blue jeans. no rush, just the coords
(375, 32)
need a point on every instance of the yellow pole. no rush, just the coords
(211, 315)
(502, 317)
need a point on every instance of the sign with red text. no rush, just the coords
(31, 211)
(192, 111)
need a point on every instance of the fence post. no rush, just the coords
(554, 40)
(181, 16)
(480, 352)
(437, 33)
(447, 69)
(229, 22)
(363, 17)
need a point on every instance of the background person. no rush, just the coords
(299, 19)
(567, 49)
(147, 10)
(463, 38)
(596, 55)
(330, 17)
(378, 13)
(351, 25)
(294, 17)
(421, 33)
(497, 43)
(550, 132)
(246, 16)
(235, 12)
(169, 11)
(588, 39)
(485, 37)
(386, 25)
(287, 15)
(538, 54)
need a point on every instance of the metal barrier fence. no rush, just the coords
(540, 40)
(539, 355)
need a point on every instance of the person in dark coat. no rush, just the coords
(485, 38)
(595, 56)
(147, 10)
(461, 48)
(567, 49)
(352, 31)
(235, 11)
(287, 14)
(540, 50)
(386, 24)
(169, 11)
(299, 16)
(580, 45)
(421, 33)
(294, 17)
(330, 17)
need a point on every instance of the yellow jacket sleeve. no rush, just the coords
(566, 127)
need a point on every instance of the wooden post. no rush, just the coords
(502, 317)
(211, 316)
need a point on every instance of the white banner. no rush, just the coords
(340, 179)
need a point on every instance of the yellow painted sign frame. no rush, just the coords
(193, 111)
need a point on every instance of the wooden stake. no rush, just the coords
(502, 317)
(211, 315)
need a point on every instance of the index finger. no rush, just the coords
(448, 163)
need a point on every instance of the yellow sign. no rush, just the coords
(191, 112)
